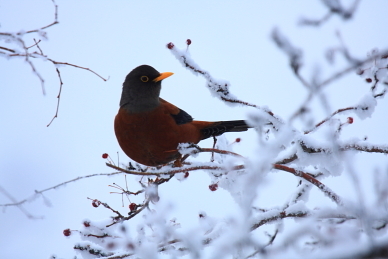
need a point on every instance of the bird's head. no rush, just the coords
(141, 89)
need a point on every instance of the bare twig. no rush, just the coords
(18, 37)
(9, 196)
(58, 96)
(36, 44)
(72, 65)
(54, 187)
(7, 49)
(328, 118)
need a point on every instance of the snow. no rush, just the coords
(366, 107)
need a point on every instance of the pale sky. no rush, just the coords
(230, 39)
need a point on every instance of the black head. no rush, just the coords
(141, 89)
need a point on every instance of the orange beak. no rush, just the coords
(163, 76)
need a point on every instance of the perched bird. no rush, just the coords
(149, 128)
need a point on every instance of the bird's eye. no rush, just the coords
(144, 79)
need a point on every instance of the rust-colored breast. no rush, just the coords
(151, 138)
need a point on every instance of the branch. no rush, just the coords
(298, 173)
(321, 186)
(224, 152)
(281, 215)
(54, 187)
(18, 37)
(58, 96)
(328, 118)
(218, 87)
(354, 66)
(72, 65)
(335, 8)
(174, 171)
(365, 148)
(9, 196)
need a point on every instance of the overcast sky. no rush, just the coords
(230, 39)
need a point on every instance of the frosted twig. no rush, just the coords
(312, 180)
(218, 87)
(335, 8)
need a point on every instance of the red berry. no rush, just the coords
(350, 120)
(130, 246)
(186, 174)
(238, 140)
(132, 206)
(86, 224)
(188, 41)
(96, 203)
(105, 155)
(67, 232)
(213, 187)
(170, 45)
(368, 80)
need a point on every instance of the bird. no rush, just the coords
(149, 129)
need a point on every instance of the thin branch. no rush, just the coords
(85, 68)
(328, 118)
(18, 37)
(365, 148)
(218, 88)
(49, 25)
(219, 151)
(334, 9)
(333, 78)
(106, 206)
(58, 96)
(7, 49)
(36, 44)
(172, 172)
(321, 186)
(54, 187)
(298, 173)
(281, 215)
(287, 160)
(9, 196)
(131, 215)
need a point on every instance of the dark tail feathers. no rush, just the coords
(219, 128)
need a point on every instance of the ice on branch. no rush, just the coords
(218, 87)
(376, 70)
(366, 106)
(294, 54)
(188, 149)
